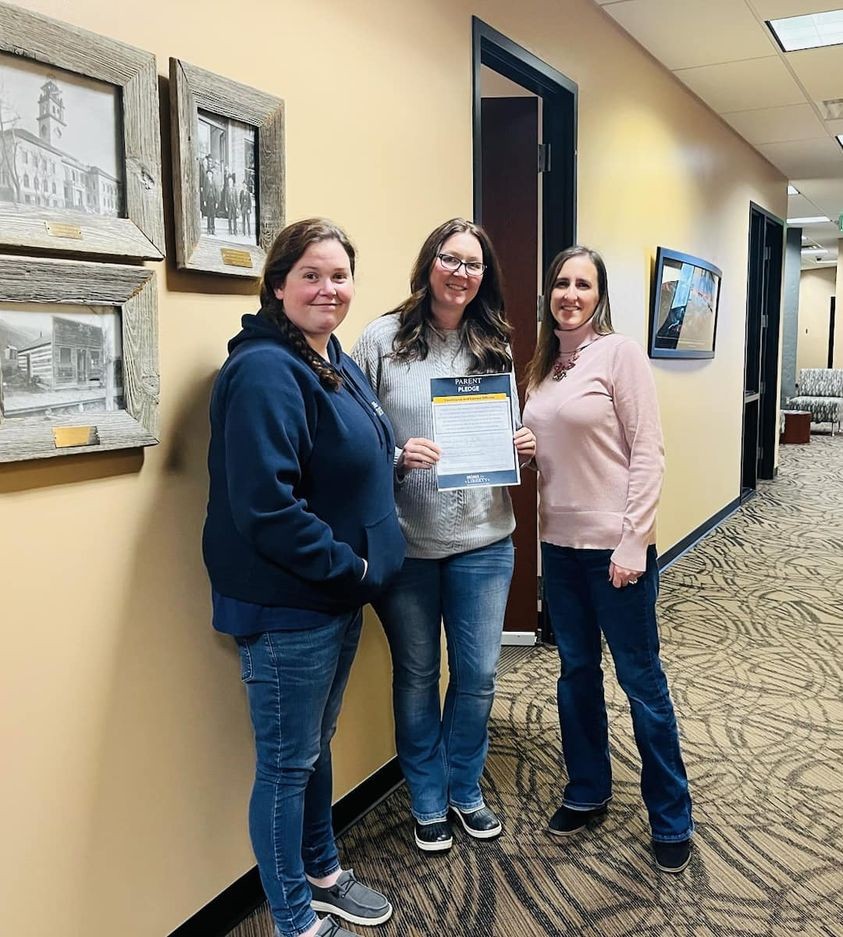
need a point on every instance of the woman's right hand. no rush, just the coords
(418, 453)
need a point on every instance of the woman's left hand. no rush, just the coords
(620, 576)
(525, 444)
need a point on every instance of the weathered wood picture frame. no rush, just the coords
(140, 234)
(131, 290)
(192, 90)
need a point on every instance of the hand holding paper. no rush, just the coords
(472, 423)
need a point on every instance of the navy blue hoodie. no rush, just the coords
(301, 480)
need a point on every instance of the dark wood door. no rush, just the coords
(510, 136)
(760, 402)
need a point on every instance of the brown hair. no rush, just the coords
(484, 330)
(286, 250)
(547, 346)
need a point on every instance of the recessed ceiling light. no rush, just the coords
(818, 219)
(808, 32)
(792, 190)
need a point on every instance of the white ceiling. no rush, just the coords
(723, 51)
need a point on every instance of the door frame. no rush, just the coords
(559, 128)
(763, 336)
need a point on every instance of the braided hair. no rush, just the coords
(286, 251)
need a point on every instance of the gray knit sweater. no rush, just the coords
(435, 523)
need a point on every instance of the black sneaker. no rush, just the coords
(434, 837)
(330, 928)
(481, 823)
(351, 900)
(672, 857)
(566, 821)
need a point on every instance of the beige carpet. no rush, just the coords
(752, 628)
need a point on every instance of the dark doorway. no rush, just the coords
(831, 318)
(761, 369)
(525, 197)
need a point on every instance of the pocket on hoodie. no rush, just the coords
(385, 548)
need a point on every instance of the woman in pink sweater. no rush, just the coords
(593, 408)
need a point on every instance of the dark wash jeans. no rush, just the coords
(442, 752)
(582, 603)
(295, 682)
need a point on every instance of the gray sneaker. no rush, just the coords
(352, 901)
(330, 928)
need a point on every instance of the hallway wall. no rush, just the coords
(128, 753)
(816, 287)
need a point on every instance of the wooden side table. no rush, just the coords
(797, 426)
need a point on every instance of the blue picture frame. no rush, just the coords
(683, 306)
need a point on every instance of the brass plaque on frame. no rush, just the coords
(235, 258)
(67, 436)
(58, 229)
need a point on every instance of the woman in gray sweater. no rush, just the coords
(459, 550)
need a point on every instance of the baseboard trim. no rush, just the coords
(518, 638)
(220, 916)
(366, 796)
(669, 557)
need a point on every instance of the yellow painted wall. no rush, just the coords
(125, 736)
(816, 287)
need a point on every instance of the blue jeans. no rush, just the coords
(442, 752)
(295, 682)
(583, 603)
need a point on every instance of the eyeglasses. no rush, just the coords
(473, 268)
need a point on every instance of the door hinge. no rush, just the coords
(539, 588)
(759, 453)
(539, 305)
(544, 157)
(765, 321)
(768, 252)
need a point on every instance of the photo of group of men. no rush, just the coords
(227, 203)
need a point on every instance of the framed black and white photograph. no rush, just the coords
(80, 148)
(60, 360)
(78, 357)
(228, 171)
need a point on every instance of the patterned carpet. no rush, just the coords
(752, 628)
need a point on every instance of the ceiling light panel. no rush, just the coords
(808, 32)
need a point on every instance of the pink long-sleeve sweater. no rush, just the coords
(599, 451)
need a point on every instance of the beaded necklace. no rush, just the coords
(562, 366)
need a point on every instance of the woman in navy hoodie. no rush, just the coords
(301, 532)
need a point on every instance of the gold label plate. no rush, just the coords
(235, 258)
(58, 229)
(66, 437)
